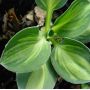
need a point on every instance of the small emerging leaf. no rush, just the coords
(26, 51)
(85, 86)
(50, 4)
(75, 22)
(44, 78)
(71, 60)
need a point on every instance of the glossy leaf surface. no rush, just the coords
(50, 4)
(71, 60)
(44, 78)
(75, 22)
(26, 51)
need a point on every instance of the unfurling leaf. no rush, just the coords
(75, 22)
(50, 4)
(71, 60)
(26, 51)
(44, 78)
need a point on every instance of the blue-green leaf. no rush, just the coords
(71, 60)
(75, 22)
(26, 51)
(50, 4)
(44, 78)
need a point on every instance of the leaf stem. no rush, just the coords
(53, 41)
(48, 20)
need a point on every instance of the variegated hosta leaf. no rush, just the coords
(71, 60)
(44, 78)
(26, 51)
(85, 37)
(75, 22)
(50, 4)
(85, 86)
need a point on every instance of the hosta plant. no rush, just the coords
(39, 54)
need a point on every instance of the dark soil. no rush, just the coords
(7, 78)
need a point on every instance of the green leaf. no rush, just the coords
(50, 4)
(75, 22)
(85, 86)
(71, 60)
(26, 51)
(44, 78)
